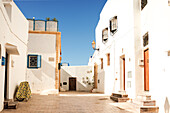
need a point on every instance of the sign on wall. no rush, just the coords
(3, 61)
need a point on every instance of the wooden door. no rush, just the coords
(146, 70)
(95, 75)
(72, 84)
(124, 73)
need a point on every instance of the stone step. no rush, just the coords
(9, 104)
(145, 102)
(149, 109)
(119, 95)
(149, 103)
(144, 97)
(118, 99)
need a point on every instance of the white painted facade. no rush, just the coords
(83, 74)
(42, 80)
(13, 40)
(127, 42)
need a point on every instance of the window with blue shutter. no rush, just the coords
(34, 61)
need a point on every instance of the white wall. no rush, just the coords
(132, 25)
(79, 72)
(42, 79)
(12, 32)
(121, 43)
(155, 20)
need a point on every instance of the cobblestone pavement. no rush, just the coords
(68, 102)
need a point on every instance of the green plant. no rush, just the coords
(54, 19)
(47, 18)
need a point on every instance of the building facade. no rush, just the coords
(13, 49)
(76, 78)
(133, 56)
(44, 51)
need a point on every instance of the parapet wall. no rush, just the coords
(43, 25)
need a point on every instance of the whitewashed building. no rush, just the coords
(13, 49)
(134, 52)
(76, 78)
(44, 51)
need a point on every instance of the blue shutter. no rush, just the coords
(39, 61)
(3, 61)
(28, 61)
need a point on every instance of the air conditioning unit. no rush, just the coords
(141, 62)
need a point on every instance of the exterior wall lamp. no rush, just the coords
(93, 46)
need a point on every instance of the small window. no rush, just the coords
(8, 9)
(105, 35)
(113, 25)
(64, 83)
(145, 39)
(143, 3)
(101, 63)
(34, 61)
(108, 59)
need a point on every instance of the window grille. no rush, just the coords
(113, 24)
(145, 39)
(105, 35)
(34, 61)
(143, 3)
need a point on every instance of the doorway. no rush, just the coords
(122, 73)
(95, 75)
(146, 70)
(6, 77)
(72, 84)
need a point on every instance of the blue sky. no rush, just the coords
(77, 22)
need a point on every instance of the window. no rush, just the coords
(145, 39)
(108, 59)
(113, 25)
(105, 35)
(101, 63)
(8, 8)
(34, 61)
(143, 3)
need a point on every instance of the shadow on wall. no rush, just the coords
(166, 105)
(46, 68)
(80, 86)
(15, 91)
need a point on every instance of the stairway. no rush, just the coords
(146, 104)
(118, 97)
(9, 104)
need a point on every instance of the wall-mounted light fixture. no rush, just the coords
(93, 46)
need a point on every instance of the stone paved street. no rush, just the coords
(68, 102)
